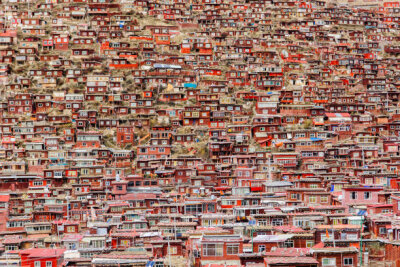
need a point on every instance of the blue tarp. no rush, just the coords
(361, 212)
(189, 85)
(150, 264)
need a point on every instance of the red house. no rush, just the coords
(41, 257)
(217, 248)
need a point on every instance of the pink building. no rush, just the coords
(356, 196)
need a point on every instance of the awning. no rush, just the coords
(361, 212)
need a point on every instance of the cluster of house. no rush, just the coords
(199, 133)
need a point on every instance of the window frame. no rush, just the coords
(348, 264)
(329, 263)
(217, 247)
(231, 247)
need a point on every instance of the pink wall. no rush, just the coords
(347, 200)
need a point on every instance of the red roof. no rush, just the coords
(335, 115)
(288, 252)
(319, 245)
(290, 260)
(4, 198)
(138, 196)
(43, 252)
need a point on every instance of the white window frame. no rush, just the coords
(348, 264)
(328, 261)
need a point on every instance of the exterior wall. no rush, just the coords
(225, 256)
(347, 200)
(339, 259)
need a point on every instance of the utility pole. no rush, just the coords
(68, 197)
(269, 169)
(363, 157)
(252, 243)
(361, 241)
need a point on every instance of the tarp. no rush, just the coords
(166, 66)
(361, 212)
(189, 85)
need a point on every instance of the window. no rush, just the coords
(125, 243)
(232, 249)
(288, 244)
(37, 263)
(312, 199)
(382, 231)
(328, 261)
(277, 222)
(309, 243)
(353, 195)
(261, 248)
(212, 250)
(11, 247)
(348, 261)
(36, 183)
(367, 195)
(172, 250)
(49, 264)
